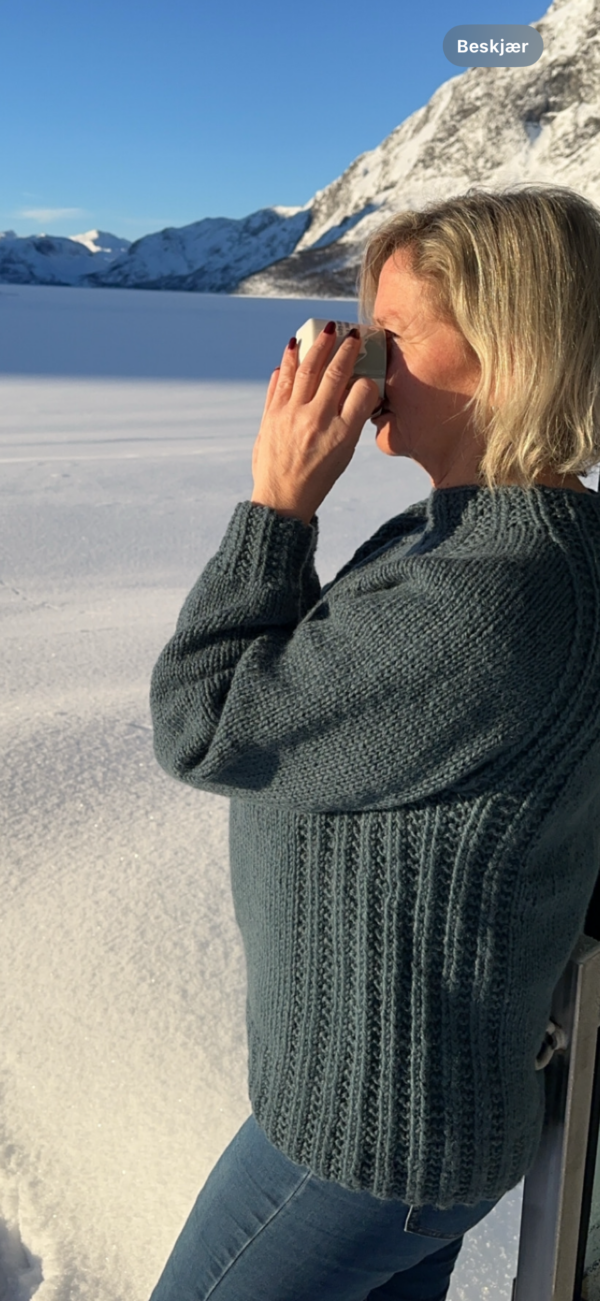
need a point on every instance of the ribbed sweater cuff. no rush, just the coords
(267, 547)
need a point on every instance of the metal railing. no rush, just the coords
(559, 1245)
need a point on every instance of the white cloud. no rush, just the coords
(51, 214)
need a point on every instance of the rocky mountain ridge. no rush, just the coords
(491, 127)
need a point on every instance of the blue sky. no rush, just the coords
(130, 117)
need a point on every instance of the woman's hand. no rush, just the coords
(310, 426)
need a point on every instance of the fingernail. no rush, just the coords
(293, 343)
(353, 334)
(329, 328)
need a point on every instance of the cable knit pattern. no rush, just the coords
(413, 758)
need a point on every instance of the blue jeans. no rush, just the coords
(266, 1229)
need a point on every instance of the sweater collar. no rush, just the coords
(447, 507)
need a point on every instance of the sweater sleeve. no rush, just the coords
(386, 690)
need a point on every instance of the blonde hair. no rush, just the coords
(518, 273)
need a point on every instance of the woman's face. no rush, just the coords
(431, 374)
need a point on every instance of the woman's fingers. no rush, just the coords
(287, 371)
(282, 378)
(319, 374)
(338, 373)
(360, 403)
(310, 371)
(271, 391)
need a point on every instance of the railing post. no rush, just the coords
(558, 1190)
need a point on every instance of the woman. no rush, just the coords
(413, 758)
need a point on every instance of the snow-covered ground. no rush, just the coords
(127, 421)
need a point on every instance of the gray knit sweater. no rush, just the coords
(413, 758)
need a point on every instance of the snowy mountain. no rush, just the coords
(100, 241)
(209, 256)
(489, 126)
(56, 259)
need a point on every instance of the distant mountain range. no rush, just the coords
(489, 127)
(57, 259)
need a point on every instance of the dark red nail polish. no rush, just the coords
(329, 328)
(293, 343)
(353, 334)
